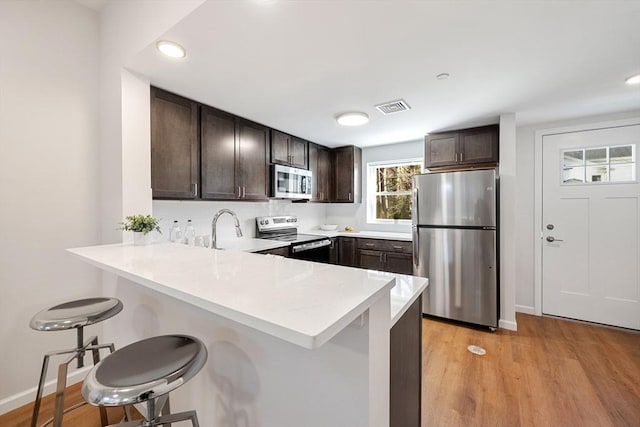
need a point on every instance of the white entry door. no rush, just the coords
(591, 226)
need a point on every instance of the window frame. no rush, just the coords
(372, 168)
(634, 163)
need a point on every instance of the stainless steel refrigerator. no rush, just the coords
(454, 224)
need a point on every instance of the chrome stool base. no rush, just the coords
(71, 315)
(146, 372)
(76, 354)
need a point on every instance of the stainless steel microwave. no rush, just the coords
(291, 183)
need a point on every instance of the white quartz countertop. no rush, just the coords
(364, 234)
(305, 303)
(405, 292)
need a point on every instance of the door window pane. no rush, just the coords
(622, 154)
(596, 156)
(597, 173)
(573, 158)
(622, 172)
(573, 175)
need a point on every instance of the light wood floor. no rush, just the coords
(84, 416)
(551, 372)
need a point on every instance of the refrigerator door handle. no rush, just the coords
(414, 211)
(416, 247)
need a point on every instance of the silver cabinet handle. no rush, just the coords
(382, 257)
(397, 247)
(349, 196)
(369, 244)
(195, 189)
(552, 239)
(239, 192)
(461, 154)
(244, 192)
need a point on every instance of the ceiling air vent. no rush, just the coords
(393, 107)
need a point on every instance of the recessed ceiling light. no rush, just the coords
(442, 76)
(352, 118)
(633, 80)
(171, 49)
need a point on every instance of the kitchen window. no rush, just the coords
(389, 190)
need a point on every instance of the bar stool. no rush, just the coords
(146, 371)
(74, 314)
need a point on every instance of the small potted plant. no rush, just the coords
(141, 225)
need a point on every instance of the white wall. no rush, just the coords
(355, 214)
(49, 182)
(507, 227)
(525, 228)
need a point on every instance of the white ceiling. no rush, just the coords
(293, 65)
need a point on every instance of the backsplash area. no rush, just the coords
(310, 215)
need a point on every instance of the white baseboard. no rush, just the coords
(525, 309)
(27, 396)
(508, 324)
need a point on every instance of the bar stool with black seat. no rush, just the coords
(72, 315)
(145, 372)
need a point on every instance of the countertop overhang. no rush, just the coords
(302, 302)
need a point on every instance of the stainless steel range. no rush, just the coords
(302, 246)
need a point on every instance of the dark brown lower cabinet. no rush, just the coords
(385, 255)
(405, 382)
(347, 251)
(284, 251)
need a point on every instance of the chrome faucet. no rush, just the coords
(214, 223)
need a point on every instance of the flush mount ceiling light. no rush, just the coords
(352, 118)
(442, 76)
(633, 80)
(171, 49)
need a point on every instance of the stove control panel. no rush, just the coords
(276, 222)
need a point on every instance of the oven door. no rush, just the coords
(318, 251)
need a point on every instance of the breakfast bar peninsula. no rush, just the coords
(291, 343)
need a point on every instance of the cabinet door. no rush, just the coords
(298, 153)
(372, 260)
(323, 179)
(333, 251)
(279, 147)
(347, 252)
(218, 136)
(174, 146)
(479, 145)
(400, 263)
(252, 167)
(320, 167)
(405, 383)
(441, 150)
(347, 181)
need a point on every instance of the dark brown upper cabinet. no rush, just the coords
(252, 166)
(234, 157)
(175, 168)
(466, 147)
(346, 171)
(320, 167)
(288, 150)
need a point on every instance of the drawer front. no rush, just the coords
(385, 245)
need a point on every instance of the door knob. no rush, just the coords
(549, 226)
(552, 239)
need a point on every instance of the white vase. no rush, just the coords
(141, 239)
